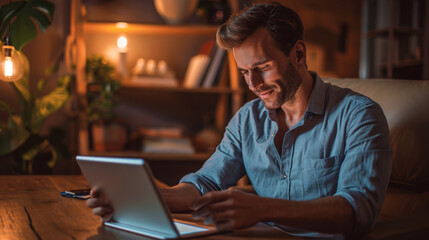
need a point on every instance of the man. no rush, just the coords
(317, 155)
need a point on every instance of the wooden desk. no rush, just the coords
(31, 208)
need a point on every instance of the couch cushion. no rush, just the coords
(406, 106)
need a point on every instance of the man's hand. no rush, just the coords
(100, 204)
(229, 210)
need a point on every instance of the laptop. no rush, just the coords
(139, 206)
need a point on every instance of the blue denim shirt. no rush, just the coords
(341, 147)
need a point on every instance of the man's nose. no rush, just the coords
(255, 81)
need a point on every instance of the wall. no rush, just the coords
(327, 52)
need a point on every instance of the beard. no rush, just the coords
(284, 89)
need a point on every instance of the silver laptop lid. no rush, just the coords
(129, 185)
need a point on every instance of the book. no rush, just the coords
(196, 68)
(167, 145)
(214, 68)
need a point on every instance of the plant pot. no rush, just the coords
(108, 136)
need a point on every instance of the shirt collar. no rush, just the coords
(316, 103)
(317, 99)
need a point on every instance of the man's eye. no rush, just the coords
(244, 72)
(264, 67)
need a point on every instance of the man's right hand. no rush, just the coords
(100, 205)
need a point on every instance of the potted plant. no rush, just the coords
(107, 132)
(20, 135)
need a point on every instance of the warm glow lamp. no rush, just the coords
(122, 43)
(11, 64)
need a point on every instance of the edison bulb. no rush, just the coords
(11, 64)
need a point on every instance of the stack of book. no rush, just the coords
(166, 141)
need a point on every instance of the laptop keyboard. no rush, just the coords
(187, 229)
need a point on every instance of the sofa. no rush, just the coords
(405, 210)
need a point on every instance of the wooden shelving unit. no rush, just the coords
(148, 29)
(395, 39)
(228, 95)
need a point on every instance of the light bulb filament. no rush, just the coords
(8, 67)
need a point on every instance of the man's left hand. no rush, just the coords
(229, 210)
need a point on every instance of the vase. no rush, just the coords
(175, 12)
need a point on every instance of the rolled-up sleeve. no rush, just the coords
(225, 167)
(366, 168)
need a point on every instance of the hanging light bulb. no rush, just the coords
(11, 64)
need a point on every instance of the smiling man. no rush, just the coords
(318, 156)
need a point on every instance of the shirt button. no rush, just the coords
(284, 176)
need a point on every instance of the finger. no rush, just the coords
(95, 192)
(219, 217)
(211, 197)
(101, 211)
(212, 208)
(96, 202)
(201, 213)
(208, 220)
(225, 225)
(107, 217)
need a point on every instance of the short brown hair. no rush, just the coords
(283, 24)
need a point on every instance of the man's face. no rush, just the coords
(266, 69)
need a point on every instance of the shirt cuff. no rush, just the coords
(203, 184)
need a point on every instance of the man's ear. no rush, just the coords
(300, 52)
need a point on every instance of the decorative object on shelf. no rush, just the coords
(166, 141)
(109, 136)
(196, 68)
(213, 11)
(21, 138)
(175, 12)
(101, 75)
(107, 133)
(122, 44)
(207, 140)
(151, 73)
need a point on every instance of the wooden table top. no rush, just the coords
(31, 208)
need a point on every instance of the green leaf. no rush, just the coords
(23, 29)
(25, 98)
(42, 20)
(13, 136)
(7, 12)
(41, 84)
(46, 6)
(50, 103)
(5, 107)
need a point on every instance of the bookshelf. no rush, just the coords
(395, 39)
(150, 29)
(154, 106)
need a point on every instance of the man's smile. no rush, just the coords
(265, 94)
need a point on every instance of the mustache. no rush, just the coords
(263, 89)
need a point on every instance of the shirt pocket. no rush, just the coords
(320, 177)
(320, 163)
